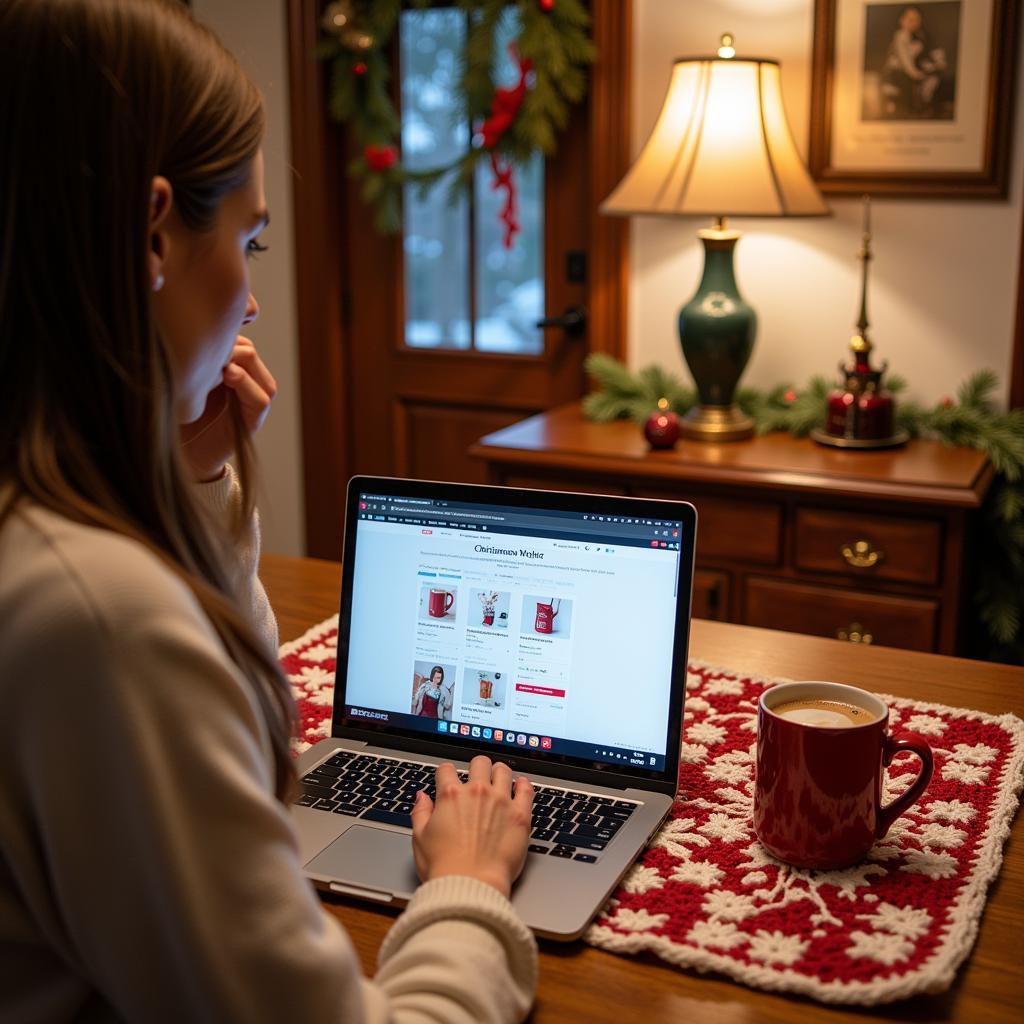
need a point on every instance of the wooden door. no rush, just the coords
(372, 403)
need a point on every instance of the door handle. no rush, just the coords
(572, 321)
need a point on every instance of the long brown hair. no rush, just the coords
(96, 98)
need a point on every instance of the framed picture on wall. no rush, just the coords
(913, 99)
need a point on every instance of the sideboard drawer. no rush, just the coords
(842, 614)
(868, 546)
(740, 531)
(710, 595)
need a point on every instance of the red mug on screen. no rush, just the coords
(822, 749)
(440, 603)
(546, 615)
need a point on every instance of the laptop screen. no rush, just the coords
(548, 629)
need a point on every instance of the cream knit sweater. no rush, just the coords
(146, 871)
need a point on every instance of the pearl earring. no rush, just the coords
(158, 282)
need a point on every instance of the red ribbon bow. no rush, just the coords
(504, 110)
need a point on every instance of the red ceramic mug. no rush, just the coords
(440, 602)
(818, 794)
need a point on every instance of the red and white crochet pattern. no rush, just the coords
(706, 896)
(309, 662)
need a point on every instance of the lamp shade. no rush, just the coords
(721, 146)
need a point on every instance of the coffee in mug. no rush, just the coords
(822, 749)
(829, 714)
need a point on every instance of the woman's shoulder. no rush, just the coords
(60, 574)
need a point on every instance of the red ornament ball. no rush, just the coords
(790, 396)
(547, 5)
(379, 158)
(662, 427)
(359, 68)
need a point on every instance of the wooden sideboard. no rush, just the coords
(870, 547)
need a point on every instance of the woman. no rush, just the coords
(148, 869)
(433, 699)
(912, 73)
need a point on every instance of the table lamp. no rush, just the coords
(721, 146)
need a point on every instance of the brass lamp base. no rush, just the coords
(716, 423)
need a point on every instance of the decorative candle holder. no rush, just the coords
(859, 412)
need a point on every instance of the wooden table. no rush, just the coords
(580, 983)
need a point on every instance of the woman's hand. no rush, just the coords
(209, 441)
(477, 829)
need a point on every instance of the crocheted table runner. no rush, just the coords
(705, 895)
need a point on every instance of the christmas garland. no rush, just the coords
(970, 420)
(510, 124)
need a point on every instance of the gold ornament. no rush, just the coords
(337, 16)
(356, 39)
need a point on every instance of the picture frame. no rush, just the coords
(913, 99)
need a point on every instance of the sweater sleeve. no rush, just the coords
(158, 863)
(222, 499)
(454, 933)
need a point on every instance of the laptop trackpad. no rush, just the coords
(371, 858)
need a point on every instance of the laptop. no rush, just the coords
(543, 629)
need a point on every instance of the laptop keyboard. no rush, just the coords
(566, 823)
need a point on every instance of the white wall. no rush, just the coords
(943, 290)
(256, 34)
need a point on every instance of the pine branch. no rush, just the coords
(999, 608)
(657, 383)
(1008, 503)
(976, 391)
(384, 15)
(603, 407)
(611, 375)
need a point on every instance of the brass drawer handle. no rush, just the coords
(854, 633)
(861, 555)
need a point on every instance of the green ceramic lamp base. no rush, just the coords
(716, 331)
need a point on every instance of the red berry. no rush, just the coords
(379, 158)
(359, 68)
(790, 395)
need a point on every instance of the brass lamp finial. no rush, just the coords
(727, 51)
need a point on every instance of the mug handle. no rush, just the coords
(450, 601)
(916, 745)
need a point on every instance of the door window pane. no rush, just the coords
(463, 288)
(437, 278)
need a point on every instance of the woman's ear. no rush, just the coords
(161, 197)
